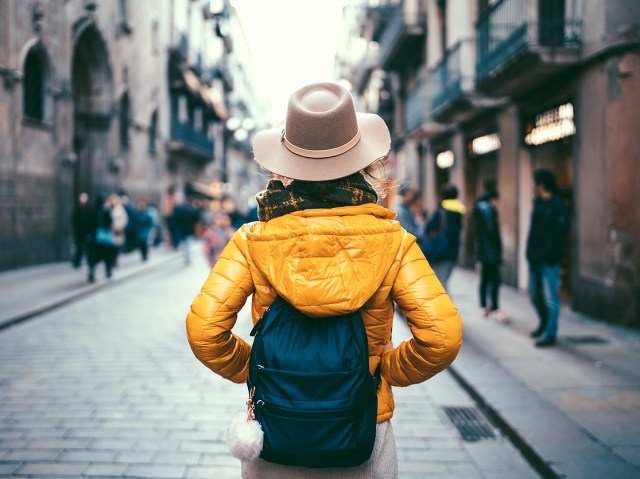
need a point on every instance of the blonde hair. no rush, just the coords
(375, 174)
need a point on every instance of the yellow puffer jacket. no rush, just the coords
(327, 262)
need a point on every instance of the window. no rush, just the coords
(123, 19)
(153, 132)
(125, 115)
(34, 84)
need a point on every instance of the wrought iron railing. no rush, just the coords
(186, 134)
(453, 74)
(509, 26)
(403, 19)
(417, 105)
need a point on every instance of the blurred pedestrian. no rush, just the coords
(216, 236)
(110, 219)
(325, 246)
(489, 253)
(141, 224)
(405, 211)
(545, 247)
(185, 218)
(252, 211)
(81, 224)
(441, 242)
(120, 220)
(129, 239)
(155, 235)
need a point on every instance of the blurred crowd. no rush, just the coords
(113, 224)
(110, 225)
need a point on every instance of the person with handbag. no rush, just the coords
(110, 219)
(441, 244)
(324, 248)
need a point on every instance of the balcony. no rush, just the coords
(519, 47)
(362, 71)
(404, 36)
(418, 121)
(187, 140)
(453, 82)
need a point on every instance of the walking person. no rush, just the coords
(140, 224)
(109, 221)
(326, 247)
(405, 211)
(441, 243)
(545, 247)
(185, 217)
(216, 236)
(489, 254)
(81, 223)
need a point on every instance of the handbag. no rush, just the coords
(435, 245)
(105, 236)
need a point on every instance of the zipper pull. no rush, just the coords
(258, 324)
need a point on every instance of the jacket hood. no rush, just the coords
(326, 262)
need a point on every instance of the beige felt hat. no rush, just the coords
(323, 137)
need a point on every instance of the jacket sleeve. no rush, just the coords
(214, 312)
(433, 320)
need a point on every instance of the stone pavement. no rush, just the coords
(30, 291)
(105, 386)
(573, 409)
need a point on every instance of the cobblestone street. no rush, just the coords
(107, 387)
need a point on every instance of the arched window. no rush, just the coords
(125, 115)
(153, 132)
(35, 84)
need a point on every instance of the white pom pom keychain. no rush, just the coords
(244, 435)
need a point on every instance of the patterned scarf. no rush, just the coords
(278, 200)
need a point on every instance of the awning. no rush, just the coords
(209, 95)
(217, 103)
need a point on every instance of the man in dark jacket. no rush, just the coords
(81, 222)
(489, 253)
(545, 245)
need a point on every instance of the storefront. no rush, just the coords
(481, 174)
(549, 139)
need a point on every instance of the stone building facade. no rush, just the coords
(483, 92)
(103, 96)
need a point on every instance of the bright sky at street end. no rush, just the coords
(293, 42)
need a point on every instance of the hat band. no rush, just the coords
(296, 150)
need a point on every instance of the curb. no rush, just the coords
(9, 322)
(528, 452)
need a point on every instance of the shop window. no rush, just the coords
(36, 73)
(125, 120)
(153, 132)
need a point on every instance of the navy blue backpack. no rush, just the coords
(314, 396)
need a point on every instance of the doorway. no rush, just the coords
(92, 87)
(558, 157)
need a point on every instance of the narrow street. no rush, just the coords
(106, 386)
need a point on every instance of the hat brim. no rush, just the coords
(271, 153)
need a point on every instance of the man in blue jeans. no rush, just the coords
(545, 245)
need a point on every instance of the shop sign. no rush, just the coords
(445, 159)
(485, 144)
(552, 125)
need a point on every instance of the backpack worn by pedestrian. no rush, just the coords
(310, 389)
(435, 244)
